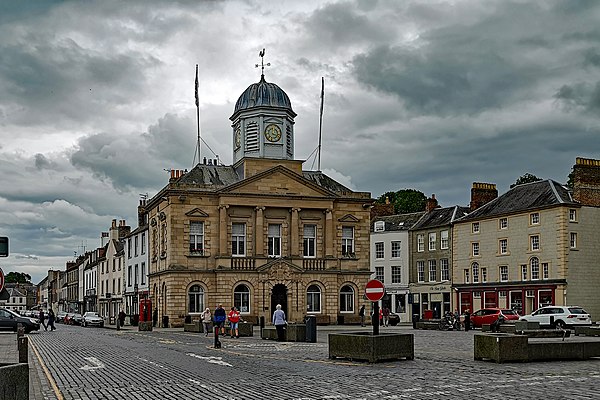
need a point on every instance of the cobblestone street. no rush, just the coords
(88, 363)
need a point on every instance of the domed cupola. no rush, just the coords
(263, 122)
(263, 94)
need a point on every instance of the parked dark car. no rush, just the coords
(9, 320)
(74, 319)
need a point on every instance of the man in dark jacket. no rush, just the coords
(467, 320)
(220, 316)
(42, 318)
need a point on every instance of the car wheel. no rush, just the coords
(561, 325)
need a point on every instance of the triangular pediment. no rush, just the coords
(279, 269)
(278, 181)
(348, 218)
(196, 212)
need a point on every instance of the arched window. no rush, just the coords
(241, 298)
(313, 299)
(196, 299)
(347, 299)
(475, 268)
(535, 268)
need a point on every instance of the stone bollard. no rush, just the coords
(23, 346)
(20, 330)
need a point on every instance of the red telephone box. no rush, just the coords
(145, 310)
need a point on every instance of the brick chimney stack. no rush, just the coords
(124, 229)
(586, 181)
(432, 203)
(482, 193)
(142, 214)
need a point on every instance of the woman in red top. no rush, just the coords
(234, 319)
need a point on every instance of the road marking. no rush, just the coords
(204, 386)
(97, 364)
(57, 392)
(212, 360)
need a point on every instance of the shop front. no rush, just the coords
(396, 299)
(430, 301)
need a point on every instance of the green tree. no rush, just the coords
(17, 277)
(405, 200)
(526, 178)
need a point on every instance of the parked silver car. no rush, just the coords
(92, 318)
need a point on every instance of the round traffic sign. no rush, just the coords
(374, 290)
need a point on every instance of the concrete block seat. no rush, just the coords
(587, 330)
(502, 347)
(292, 333)
(365, 346)
(195, 326)
(244, 329)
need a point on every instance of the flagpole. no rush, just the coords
(321, 120)
(198, 117)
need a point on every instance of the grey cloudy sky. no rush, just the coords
(97, 98)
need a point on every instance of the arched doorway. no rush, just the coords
(279, 296)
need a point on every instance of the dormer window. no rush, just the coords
(379, 226)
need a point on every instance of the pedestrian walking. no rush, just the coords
(51, 319)
(206, 318)
(380, 317)
(155, 317)
(386, 316)
(42, 318)
(220, 317)
(361, 314)
(280, 322)
(121, 318)
(234, 319)
(467, 320)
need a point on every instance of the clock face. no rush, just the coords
(272, 133)
(237, 138)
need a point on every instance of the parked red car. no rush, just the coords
(490, 315)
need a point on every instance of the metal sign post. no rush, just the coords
(374, 291)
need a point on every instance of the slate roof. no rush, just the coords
(399, 222)
(525, 197)
(441, 217)
(216, 177)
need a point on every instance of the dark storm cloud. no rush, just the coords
(580, 96)
(136, 160)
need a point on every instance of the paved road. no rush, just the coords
(93, 363)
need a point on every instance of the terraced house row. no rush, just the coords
(535, 245)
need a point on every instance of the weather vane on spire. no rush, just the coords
(262, 63)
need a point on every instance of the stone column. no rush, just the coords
(294, 239)
(223, 230)
(260, 237)
(329, 233)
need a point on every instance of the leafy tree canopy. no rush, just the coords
(525, 178)
(17, 277)
(405, 200)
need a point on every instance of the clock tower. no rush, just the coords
(263, 123)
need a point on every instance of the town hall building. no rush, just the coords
(260, 232)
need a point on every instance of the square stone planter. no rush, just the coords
(244, 329)
(372, 348)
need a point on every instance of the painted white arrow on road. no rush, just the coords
(97, 364)
(212, 360)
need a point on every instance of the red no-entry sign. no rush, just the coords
(374, 290)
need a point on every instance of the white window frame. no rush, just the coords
(396, 274)
(379, 226)
(379, 250)
(534, 218)
(238, 239)
(572, 215)
(535, 268)
(347, 299)
(432, 240)
(466, 276)
(545, 271)
(420, 243)
(396, 249)
(503, 273)
(475, 249)
(241, 298)
(313, 299)
(524, 272)
(347, 241)
(196, 299)
(309, 241)
(421, 271)
(196, 237)
(444, 240)
(475, 272)
(483, 274)
(444, 269)
(534, 242)
(432, 270)
(503, 223)
(503, 246)
(380, 274)
(274, 240)
(573, 240)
